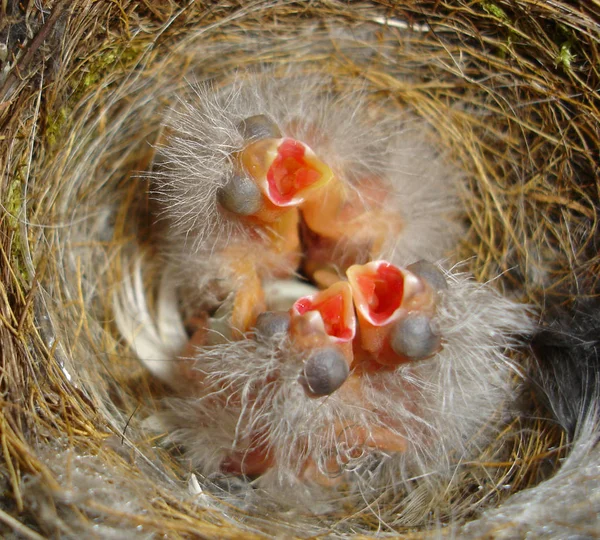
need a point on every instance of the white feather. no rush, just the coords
(155, 341)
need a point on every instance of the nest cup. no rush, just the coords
(509, 90)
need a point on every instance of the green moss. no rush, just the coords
(565, 55)
(566, 42)
(55, 123)
(495, 11)
(13, 202)
(102, 64)
(97, 69)
(93, 72)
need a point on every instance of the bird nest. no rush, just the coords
(509, 90)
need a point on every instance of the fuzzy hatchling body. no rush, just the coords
(379, 367)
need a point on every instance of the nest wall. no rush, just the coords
(510, 92)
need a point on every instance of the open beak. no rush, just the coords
(381, 291)
(330, 312)
(286, 171)
(323, 326)
(384, 296)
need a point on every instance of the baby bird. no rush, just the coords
(309, 339)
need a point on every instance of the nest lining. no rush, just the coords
(80, 124)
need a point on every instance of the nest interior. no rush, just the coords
(510, 90)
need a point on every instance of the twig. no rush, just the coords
(35, 44)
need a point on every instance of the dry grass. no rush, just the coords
(510, 88)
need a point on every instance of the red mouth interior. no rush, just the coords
(332, 310)
(382, 290)
(290, 172)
